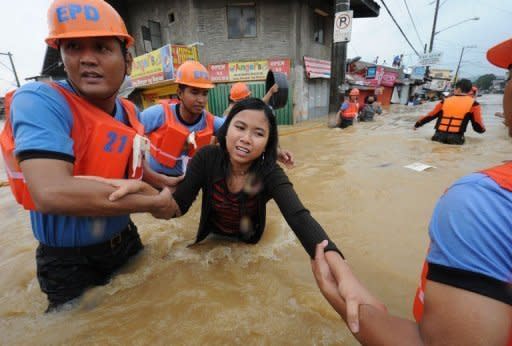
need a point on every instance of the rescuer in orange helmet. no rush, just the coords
(240, 91)
(59, 130)
(348, 110)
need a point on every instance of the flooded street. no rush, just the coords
(354, 183)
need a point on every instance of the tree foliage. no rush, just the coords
(485, 81)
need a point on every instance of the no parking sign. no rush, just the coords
(342, 26)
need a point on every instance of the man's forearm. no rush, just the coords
(80, 197)
(377, 327)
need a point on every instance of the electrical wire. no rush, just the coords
(396, 23)
(413, 24)
(50, 67)
(7, 67)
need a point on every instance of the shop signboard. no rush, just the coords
(437, 84)
(280, 65)
(317, 68)
(379, 73)
(181, 53)
(371, 72)
(247, 70)
(389, 78)
(219, 73)
(431, 58)
(418, 72)
(152, 67)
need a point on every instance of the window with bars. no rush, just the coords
(319, 28)
(151, 36)
(241, 21)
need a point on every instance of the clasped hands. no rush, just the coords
(340, 286)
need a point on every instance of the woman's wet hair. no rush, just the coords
(267, 161)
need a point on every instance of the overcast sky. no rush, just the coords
(23, 29)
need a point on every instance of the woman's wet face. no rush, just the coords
(247, 136)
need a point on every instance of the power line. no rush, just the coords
(396, 23)
(4, 65)
(413, 24)
(13, 83)
(50, 67)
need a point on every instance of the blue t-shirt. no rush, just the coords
(344, 106)
(42, 121)
(471, 228)
(154, 117)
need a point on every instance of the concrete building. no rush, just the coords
(498, 85)
(250, 36)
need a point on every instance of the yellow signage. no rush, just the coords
(180, 54)
(153, 67)
(251, 70)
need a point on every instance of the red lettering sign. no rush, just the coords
(280, 65)
(219, 73)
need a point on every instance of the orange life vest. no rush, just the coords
(102, 145)
(502, 175)
(419, 303)
(454, 110)
(351, 111)
(168, 142)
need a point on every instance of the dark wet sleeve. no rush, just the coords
(430, 116)
(476, 120)
(305, 227)
(187, 190)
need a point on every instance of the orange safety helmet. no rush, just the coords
(354, 92)
(239, 91)
(193, 74)
(84, 18)
(501, 54)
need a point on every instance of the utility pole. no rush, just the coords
(432, 35)
(434, 27)
(338, 62)
(458, 67)
(456, 77)
(13, 68)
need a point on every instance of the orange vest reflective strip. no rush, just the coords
(454, 110)
(169, 141)
(102, 145)
(351, 111)
(419, 298)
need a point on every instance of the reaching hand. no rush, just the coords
(285, 157)
(171, 182)
(274, 88)
(348, 286)
(165, 207)
(159, 180)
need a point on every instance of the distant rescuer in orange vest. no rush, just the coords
(240, 91)
(465, 293)
(60, 130)
(348, 110)
(453, 115)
